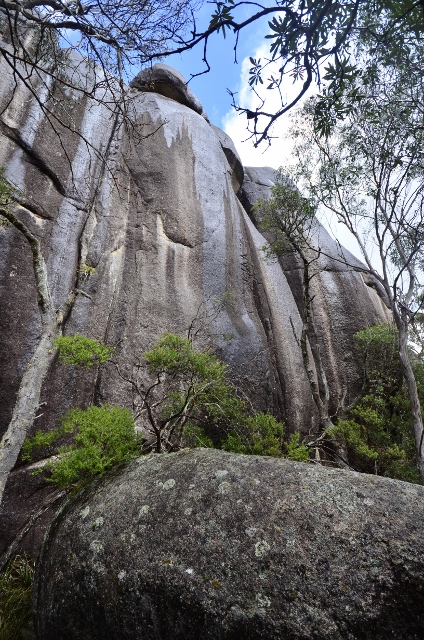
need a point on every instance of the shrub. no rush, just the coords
(103, 437)
(260, 435)
(296, 450)
(194, 436)
(82, 351)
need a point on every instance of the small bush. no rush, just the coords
(379, 438)
(260, 435)
(86, 270)
(194, 436)
(295, 450)
(82, 351)
(103, 437)
(15, 599)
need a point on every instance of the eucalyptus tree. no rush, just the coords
(288, 220)
(368, 171)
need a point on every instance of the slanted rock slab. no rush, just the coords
(204, 544)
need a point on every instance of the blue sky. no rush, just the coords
(211, 88)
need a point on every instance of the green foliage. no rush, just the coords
(378, 347)
(260, 435)
(221, 15)
(194, 436)
(379, 437)
(296, 450)
(103, 437)
(193, 403)
(378, 432)
(82, 351)
(286, 217)
(36, 445)
(87, 270)
(15, 598)
(176, 355)
(191, 390)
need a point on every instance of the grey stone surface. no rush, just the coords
(257, 184)
(168, 82)
(232, 156)
(208, 545)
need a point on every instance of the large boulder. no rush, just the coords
(169, 82)
(208, 545)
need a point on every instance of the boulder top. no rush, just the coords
(168, 82)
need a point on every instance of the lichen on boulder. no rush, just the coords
(211, 545)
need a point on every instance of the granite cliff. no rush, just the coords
(152, 222)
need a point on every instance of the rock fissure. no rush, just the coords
(32, 156)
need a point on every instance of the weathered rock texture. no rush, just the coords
(206, 544)
(151, 209)
(340, 292)
(167, 82)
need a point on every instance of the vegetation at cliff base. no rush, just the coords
(15, 598)
(188, 401)
(378, 432)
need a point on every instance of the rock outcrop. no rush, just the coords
(206, 544)
(167, 81)
(144, 220)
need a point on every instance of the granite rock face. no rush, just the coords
(152, 232)
(233, 158)
(206, 544)
(341, 292)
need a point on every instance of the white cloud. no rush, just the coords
(235, 124)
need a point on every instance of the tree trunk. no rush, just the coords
(411, 384)
(28, 399)
(52, 320)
